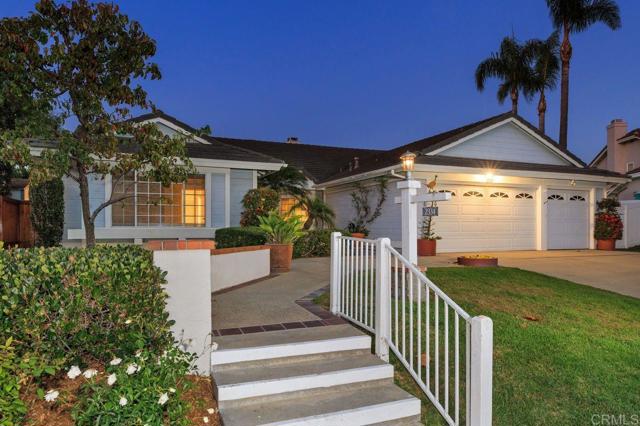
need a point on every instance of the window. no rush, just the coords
(287, 203)
(472, 194)
(499, 195)
(453, 194)
(555, 197)
(577, 198)
(630, 166)
(148, 203)
(524, 196)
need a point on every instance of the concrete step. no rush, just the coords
(353, 405)
(288, 343)
(262, 378)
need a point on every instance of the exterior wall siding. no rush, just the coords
(241, 182)
(96, 197)
(508, 143)
(72, 206)
(218, 196)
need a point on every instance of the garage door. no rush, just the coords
(567, 219)
(487, 218)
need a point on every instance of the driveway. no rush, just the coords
(617, 271)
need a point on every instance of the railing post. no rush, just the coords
(336, 260)
(383, 299)
(481, 374)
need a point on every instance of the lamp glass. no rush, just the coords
(408, 161)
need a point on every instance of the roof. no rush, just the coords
(392, 157)
(317, 162)
(633, 171)
(630, 136)
(598, 156)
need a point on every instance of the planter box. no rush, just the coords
(426, 247)
(238, 265)
(478, 261)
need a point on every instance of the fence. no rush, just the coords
(15, 224)
(630, 214)
(447, 352)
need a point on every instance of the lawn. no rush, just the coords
(578, 357)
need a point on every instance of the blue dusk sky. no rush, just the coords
(369, 74)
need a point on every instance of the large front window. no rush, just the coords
(150, 203)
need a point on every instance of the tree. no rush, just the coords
(511, 65)
(47, 212)
(85, 62)
(258, 202)
(545, 72)
(286, 181)
(318, 212)
(574, 16)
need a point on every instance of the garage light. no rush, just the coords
(488, 177)
(408, 162)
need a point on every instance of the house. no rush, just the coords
(621, 154)
(512, 187)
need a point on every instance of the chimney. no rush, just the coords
(615, 151)
(293, 140)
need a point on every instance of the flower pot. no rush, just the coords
(609, 244)
(426, 247)
(358, 235)
(280, 257)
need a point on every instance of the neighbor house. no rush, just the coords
(512, 187)
(621, 154)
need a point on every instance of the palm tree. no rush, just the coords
(511, 65)
(574, 16)
(318, 212)
(286, 181)
(545, 71)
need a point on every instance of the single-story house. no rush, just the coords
(512, 187)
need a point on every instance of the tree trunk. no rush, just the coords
(565, 56)
(542, 110)
(307, 224)
(89, 230)
(514, 101)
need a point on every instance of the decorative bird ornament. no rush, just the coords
(431, 185)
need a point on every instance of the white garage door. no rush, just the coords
(567, 219)
(486, 219)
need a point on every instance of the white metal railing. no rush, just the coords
(447, 352)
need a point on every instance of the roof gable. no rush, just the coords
(505, 141)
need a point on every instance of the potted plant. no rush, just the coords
(281, 233)
(357, 230)
(608, 226)
(428, 237)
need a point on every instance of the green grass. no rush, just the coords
(581, 357)
(635, 248)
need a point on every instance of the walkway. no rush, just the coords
(617, 271)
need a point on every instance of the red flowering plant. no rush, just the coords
(608, 224)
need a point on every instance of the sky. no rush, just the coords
(370, 74)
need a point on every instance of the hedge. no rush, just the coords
(240, 237)
(62, 305)
(314, 243)
(47, 212)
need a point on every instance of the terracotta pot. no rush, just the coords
(608, 245)
(478, 261)
(280, 257)
(426, 247)
(358, 235)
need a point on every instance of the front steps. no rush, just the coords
(314, 376)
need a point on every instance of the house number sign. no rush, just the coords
(429, 211)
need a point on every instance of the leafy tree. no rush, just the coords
(47, 212)
(258, 202)
(85, 62)
(286, 181)
(575, 16)
(545, 72)
(511, 65)
(318, 212)
(6, 172)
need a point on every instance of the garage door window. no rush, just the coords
(453, 194)
(555, 197)
(524, 196)
(475, 194)
(577, 198)
(499, 195)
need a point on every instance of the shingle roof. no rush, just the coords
(633, 134)
(634, 171)
(600, 153)
(317, 162)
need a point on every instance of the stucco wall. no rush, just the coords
(229, 268)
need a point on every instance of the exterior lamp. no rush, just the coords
(408, 161)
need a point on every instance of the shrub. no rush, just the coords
(151, 388)
(240, 237)
(281, 230)
(6, 172)
(258, 202)
(11, 406)
(47, 212)
(315, 243)
(608, 223)
(62, 304)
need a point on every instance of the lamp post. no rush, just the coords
(409, 211)
(408, 163)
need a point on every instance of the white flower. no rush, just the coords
(128, 321)
(214, 346)
(172, 390)
(123, 401)
(205, 419)
(111, 379)
(132, 368)
(163, 399)
(51, 395)
(211, 410)
(74, 372)
(90, 373)
(138, 353)
(115, 361)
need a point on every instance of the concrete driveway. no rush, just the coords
(617, 271)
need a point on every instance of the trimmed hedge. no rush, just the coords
(47, 212)
(240, 237)
(314, 243)
(63, 305)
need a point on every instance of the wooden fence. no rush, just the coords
(15, 223)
